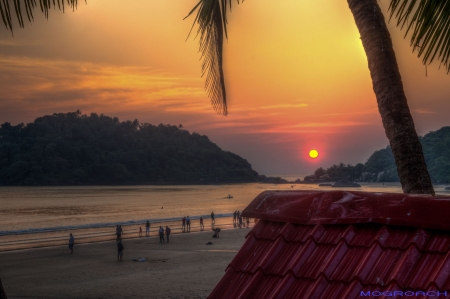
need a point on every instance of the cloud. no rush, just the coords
(17, 43)
(424, 111)
(366, 111)
(329, 124)
(29, 84)
(283, 106)
(314, 126)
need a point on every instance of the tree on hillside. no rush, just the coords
(72, 148)
(428, 20)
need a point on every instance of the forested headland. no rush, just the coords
(380, 166)
(76, 149)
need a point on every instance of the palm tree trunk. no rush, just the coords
(387, 85)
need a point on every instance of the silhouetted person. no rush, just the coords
(161, 234)
(168, 231)
(71, 243)
(216, 232)
(147, 229)
(213, 220)
(119, 249)
(117, 232)
(202, 227)
(188, 224)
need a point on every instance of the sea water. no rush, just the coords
(44, 216)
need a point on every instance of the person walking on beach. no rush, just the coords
(140, 231)
(213, 221)
(71, 243)
(202, 227)
(238, 214)
(147, 229)
(188, 224)
(240, 221)
(119, 250)
(216, 232)
(161, 234)
(183, 224)
(168, 230)
(234, 216)
(117, 232)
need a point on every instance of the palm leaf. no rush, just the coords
(212, 20)
(29, 5)
(429, 22)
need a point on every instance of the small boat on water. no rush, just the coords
(229, 196)
(346, 182)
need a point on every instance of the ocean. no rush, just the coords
(44, 216)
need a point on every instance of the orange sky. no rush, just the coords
(296, 75)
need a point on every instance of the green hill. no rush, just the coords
(76, 149)
(381, 164)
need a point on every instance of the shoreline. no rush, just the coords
(184, 268)
(9, 243)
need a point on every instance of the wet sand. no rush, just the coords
(184, 268)
(92, 235)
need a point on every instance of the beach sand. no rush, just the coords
(184, 268)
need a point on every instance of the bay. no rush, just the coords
(31, 215)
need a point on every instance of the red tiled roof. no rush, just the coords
(336, 244)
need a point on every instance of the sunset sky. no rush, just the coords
(296, 77)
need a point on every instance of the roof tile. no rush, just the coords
(439, 242)
(432, 267)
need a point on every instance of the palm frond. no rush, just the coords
(29, 5)
(429, 22)
(212, 25)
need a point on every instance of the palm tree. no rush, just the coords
(392, 104)
(430, 23)
(30, 5)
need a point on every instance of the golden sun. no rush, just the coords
(313, 153)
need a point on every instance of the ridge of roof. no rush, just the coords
(351, 207)
(404, 247)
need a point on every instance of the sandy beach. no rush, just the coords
(184, 268)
